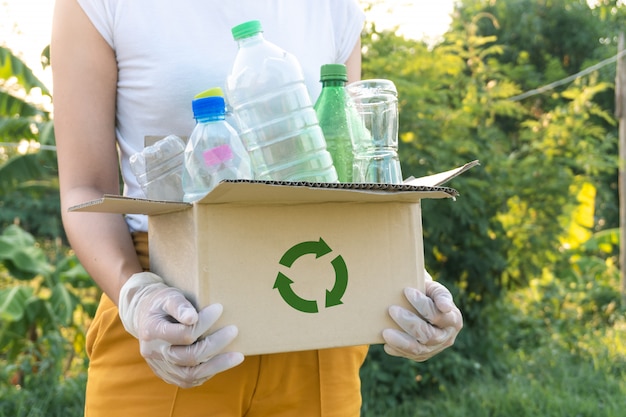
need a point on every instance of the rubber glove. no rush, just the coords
(428, 330)
(171, 332)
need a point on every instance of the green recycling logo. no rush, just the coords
(333, 296)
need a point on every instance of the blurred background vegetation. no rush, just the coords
(529, 250)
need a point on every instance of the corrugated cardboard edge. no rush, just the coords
(110, 203)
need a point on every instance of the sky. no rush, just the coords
(25, 24)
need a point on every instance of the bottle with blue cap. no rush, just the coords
(214, 151)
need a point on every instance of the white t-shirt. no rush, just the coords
(168, 51)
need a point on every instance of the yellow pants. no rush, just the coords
(310, 383)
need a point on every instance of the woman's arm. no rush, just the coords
(353, 64)
(84, 73)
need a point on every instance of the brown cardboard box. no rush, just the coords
(296, 266)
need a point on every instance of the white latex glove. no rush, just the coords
(428, 330)
(171, 332)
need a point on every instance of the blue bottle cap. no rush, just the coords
(208, 106)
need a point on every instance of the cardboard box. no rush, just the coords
(297, 266)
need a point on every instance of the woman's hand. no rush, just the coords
(429, 329)
(172, 333)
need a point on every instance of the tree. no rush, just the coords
(513, 218)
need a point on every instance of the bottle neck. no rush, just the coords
(333, 83)
(207, 118)
(258, 37)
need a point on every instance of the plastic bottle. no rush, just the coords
(274, 112)
(336, 115)
(158, 169)
(214, 151)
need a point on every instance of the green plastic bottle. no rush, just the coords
(334, 108)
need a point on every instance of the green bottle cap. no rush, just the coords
(333, 72)
(247, 29)
(211, 92)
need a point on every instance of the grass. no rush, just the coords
(561, 353)
(551, 384)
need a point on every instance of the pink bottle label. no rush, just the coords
(217, 155)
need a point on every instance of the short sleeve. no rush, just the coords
(101, 13)
(349, 19)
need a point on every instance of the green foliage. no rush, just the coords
(44, 400)
(29, 192)
(513, 220)
(554, 348)
(455, 107)
(13, 67)
(552, 37)
(43, 306)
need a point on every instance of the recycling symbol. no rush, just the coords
(283, 282)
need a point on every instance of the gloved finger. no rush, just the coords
(401, 345)
(217, 364)
(166, 327)
(203, 350)
(418, 328)
(160, 327)
(190, 376)
(178, 307)
(440, 295)
(207, 317)
(436, 306)
(424, 306)
(179, 334)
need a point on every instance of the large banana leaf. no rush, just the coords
(13, 302)
(11, 106)
(20, 255)
(14, 129)
(12, 66)
(20, 169)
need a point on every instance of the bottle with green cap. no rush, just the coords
(337, 118)
(274, 111)
(214, 151)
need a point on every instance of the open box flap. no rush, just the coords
(277, 192)
(126, 205)
(251, 192)
(442, 177)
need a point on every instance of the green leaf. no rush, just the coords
(20, 255)
(12, 66)
(11, 106)
(13, 302)
(20, 169)
(63, 303)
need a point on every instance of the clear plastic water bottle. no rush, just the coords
(274, 112)
(214, 151)
(158, 169)
(336, 115)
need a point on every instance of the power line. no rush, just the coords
(569, 79)
(37, 147)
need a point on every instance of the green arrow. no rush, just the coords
(283, 284)
(319, 248)
(333, 297)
